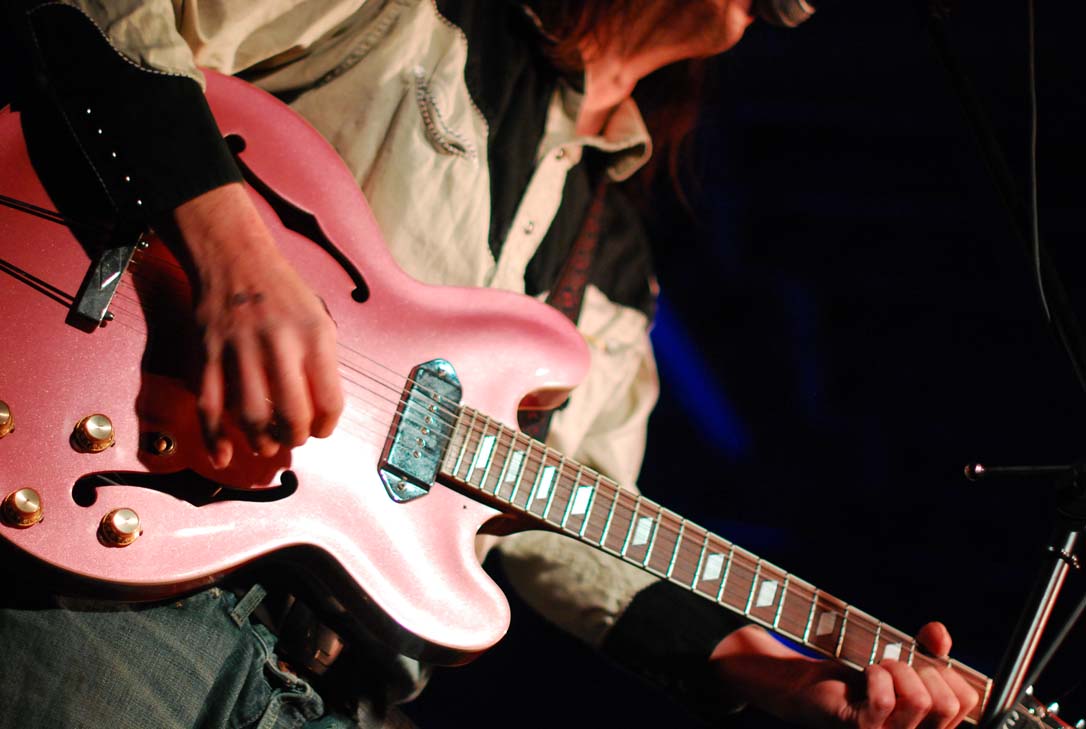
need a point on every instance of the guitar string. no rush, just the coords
(452, 414)
(975, 679)
(183, 281)
(446, 415)
(363, 429)
(686, 560)
(856, 622)
(735, 596)
(383, 401)
(857, 625)
(123, 296)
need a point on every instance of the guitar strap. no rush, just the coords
(567, 294)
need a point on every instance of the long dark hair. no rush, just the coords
(669, 98)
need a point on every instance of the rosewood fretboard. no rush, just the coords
(524, 477)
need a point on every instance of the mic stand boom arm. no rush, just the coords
(1009, 681)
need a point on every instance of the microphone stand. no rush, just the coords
(1071, 508)
(1070, 519)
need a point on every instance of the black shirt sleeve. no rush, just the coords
(148, 137)
(666, 636)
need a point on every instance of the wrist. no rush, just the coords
(758, 669)
(216, 230)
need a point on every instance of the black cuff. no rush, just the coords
(666, 636)
(149, 136)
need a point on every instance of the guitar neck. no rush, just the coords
(524, 477)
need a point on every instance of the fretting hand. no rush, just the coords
(819, 693)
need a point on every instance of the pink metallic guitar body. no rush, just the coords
(394, 552)
(410, 565)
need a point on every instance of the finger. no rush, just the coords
(325, 386)
(880, 698)
(209, 408)
(286, 381)
(248, 383)
(967, 696)
(935, 639)
(944, 702)
(912, 702)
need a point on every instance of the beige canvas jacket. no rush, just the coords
(384, 83)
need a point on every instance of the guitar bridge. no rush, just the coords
(91, 307)
(421, 430)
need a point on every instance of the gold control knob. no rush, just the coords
(21, 509)
(7, 420)
(119, 528)
(93, 434)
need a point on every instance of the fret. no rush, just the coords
(503, 446)
(506, 459)
(573, 492)
(537, 477)
(456, 438)
(595, 529)
(630, 528)
(753, 583)
(545, 482)
(977, 680)
(526, 461)
(739, 581)
(554, 487)
(724, 577)
(715, 569)
(616, 537)
(893, 645)
(780, 603)
(475, 436)
(644, 529)
(463, 446)
(661, 552)
(610, 516)
(797, 597)
(655, 530)
(675, 551)
(810, 619)
(875, 644)
(987, 695)
(514, 468)
(841, 634)
(701, 560)
(688, 556)
(826, 623)
(484, 453)
(590, 508)
(860, 638)
(767, 593)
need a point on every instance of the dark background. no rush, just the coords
(846, 320)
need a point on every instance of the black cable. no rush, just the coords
(1035, 230)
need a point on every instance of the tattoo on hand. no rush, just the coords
(243, 297)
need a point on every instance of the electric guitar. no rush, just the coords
(104, 474)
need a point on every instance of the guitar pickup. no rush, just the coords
(421, 431)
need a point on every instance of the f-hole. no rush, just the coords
(300, 221)
(184, 485)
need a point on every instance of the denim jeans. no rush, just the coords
(198, 662)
